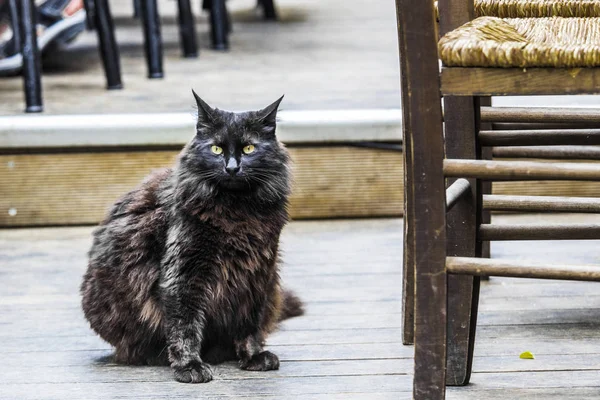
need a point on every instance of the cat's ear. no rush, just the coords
(268, 115)
(206, 113)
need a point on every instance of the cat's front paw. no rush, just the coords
(196, 372)
(265, 361)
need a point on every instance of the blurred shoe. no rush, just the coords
(59, 22)
(10, 58)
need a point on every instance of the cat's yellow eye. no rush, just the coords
(216, 149)
(249, 149)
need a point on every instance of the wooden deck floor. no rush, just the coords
(346, 347)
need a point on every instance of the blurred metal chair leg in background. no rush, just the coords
(152, 38)
(101, 19)
(270, 12)
(136, 8)
(32, 81)
(90, 11)
(187, 29)
(220, 25)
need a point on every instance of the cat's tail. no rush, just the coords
(292, 305)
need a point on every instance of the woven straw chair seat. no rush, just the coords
(537, 8)
(523, 42)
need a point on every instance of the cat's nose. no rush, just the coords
(233, 170)
(232, 167)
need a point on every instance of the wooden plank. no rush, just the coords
(541, 303)
(519, 81)
(559, 331)
(314, 396)
(329, 182)
(92, 371)
(532, 380)
(542, 347)
(523, 393)
(219, 387)
(88, 341)
(543, 362)
(299, 353)
(535, 317)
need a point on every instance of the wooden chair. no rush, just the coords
(445, 169)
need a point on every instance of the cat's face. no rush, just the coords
(238, 151)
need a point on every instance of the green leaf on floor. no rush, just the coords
(527, 355)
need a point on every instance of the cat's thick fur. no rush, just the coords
(184, 268)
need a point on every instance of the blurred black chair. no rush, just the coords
(98, 17)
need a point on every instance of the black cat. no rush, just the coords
(184, 268)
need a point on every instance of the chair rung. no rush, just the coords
(549, 152)
(520, 126)
(520, 269)
(540, 137)
(521, 170)
(495, 202)
(458, 189)
(540, 114)
(539, 232)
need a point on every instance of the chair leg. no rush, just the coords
(152, 38)
(269, 9)
(219, 25)
(90, 11)
(461, 228)
(424, 141)
(187, 29)
(137, 8)
(109, 51)
(32, 81)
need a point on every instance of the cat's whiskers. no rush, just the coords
(267, 184)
